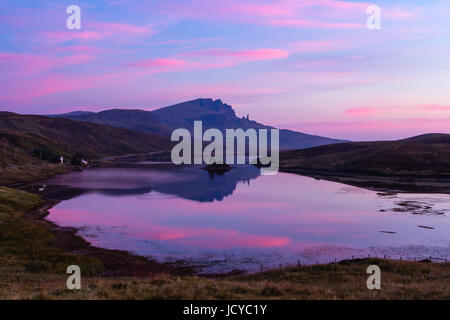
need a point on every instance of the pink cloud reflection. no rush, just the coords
(212, 238)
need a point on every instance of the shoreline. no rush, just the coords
(397, 184)
(123, 263)
(115, 262)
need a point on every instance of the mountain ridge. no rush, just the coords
(213, 114)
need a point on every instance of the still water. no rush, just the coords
(242, 220)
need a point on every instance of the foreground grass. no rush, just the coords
(30, 172)
(400, 280)
(32, 267)
(14, 202)
(27, 243)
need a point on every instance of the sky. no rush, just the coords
(306, 65)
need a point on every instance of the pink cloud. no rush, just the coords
(27, 64)
(221, 58)
(172, 65)
(364, 111)
(435, 107)
(64, 36)
(397, 13)
(95, 31)
(386, 111)
(315, 24)
(111, 28)
(80, 48)
(27, 90)
(286, 13)
(244, 55)
(188, 42)
(228, 9)
(374, 129)
(37, 85)
(318, 46)
(162, 64)
(24, 91)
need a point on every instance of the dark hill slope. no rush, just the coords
(20, 135)
(138, 120)
(425, 155)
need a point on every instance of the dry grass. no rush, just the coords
(27, 243)
(30, 172)
(400, 280)
(15, 202)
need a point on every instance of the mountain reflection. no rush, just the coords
(191, 183)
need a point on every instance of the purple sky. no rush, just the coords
(307, 65)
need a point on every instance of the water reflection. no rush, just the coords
(240, 220)
(191, 183)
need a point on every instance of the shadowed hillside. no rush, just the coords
(138, 120)
(27, 138)
(426, 156)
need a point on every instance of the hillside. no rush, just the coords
(138, 120)
(28, 138)
(213, 113)
(422, 156)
